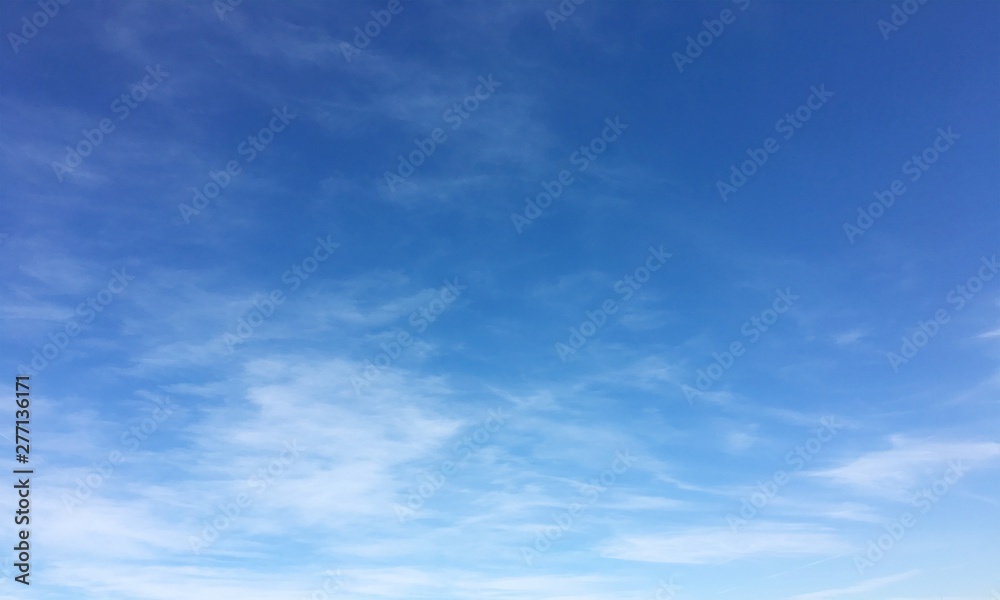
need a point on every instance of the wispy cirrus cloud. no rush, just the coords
(719, 545)
(892, 472)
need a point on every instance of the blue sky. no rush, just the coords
(632, 300)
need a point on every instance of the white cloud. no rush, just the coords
(713, 545)
(849, 337)
(893, 472)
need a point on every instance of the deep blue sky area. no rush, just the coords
(631, 300)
